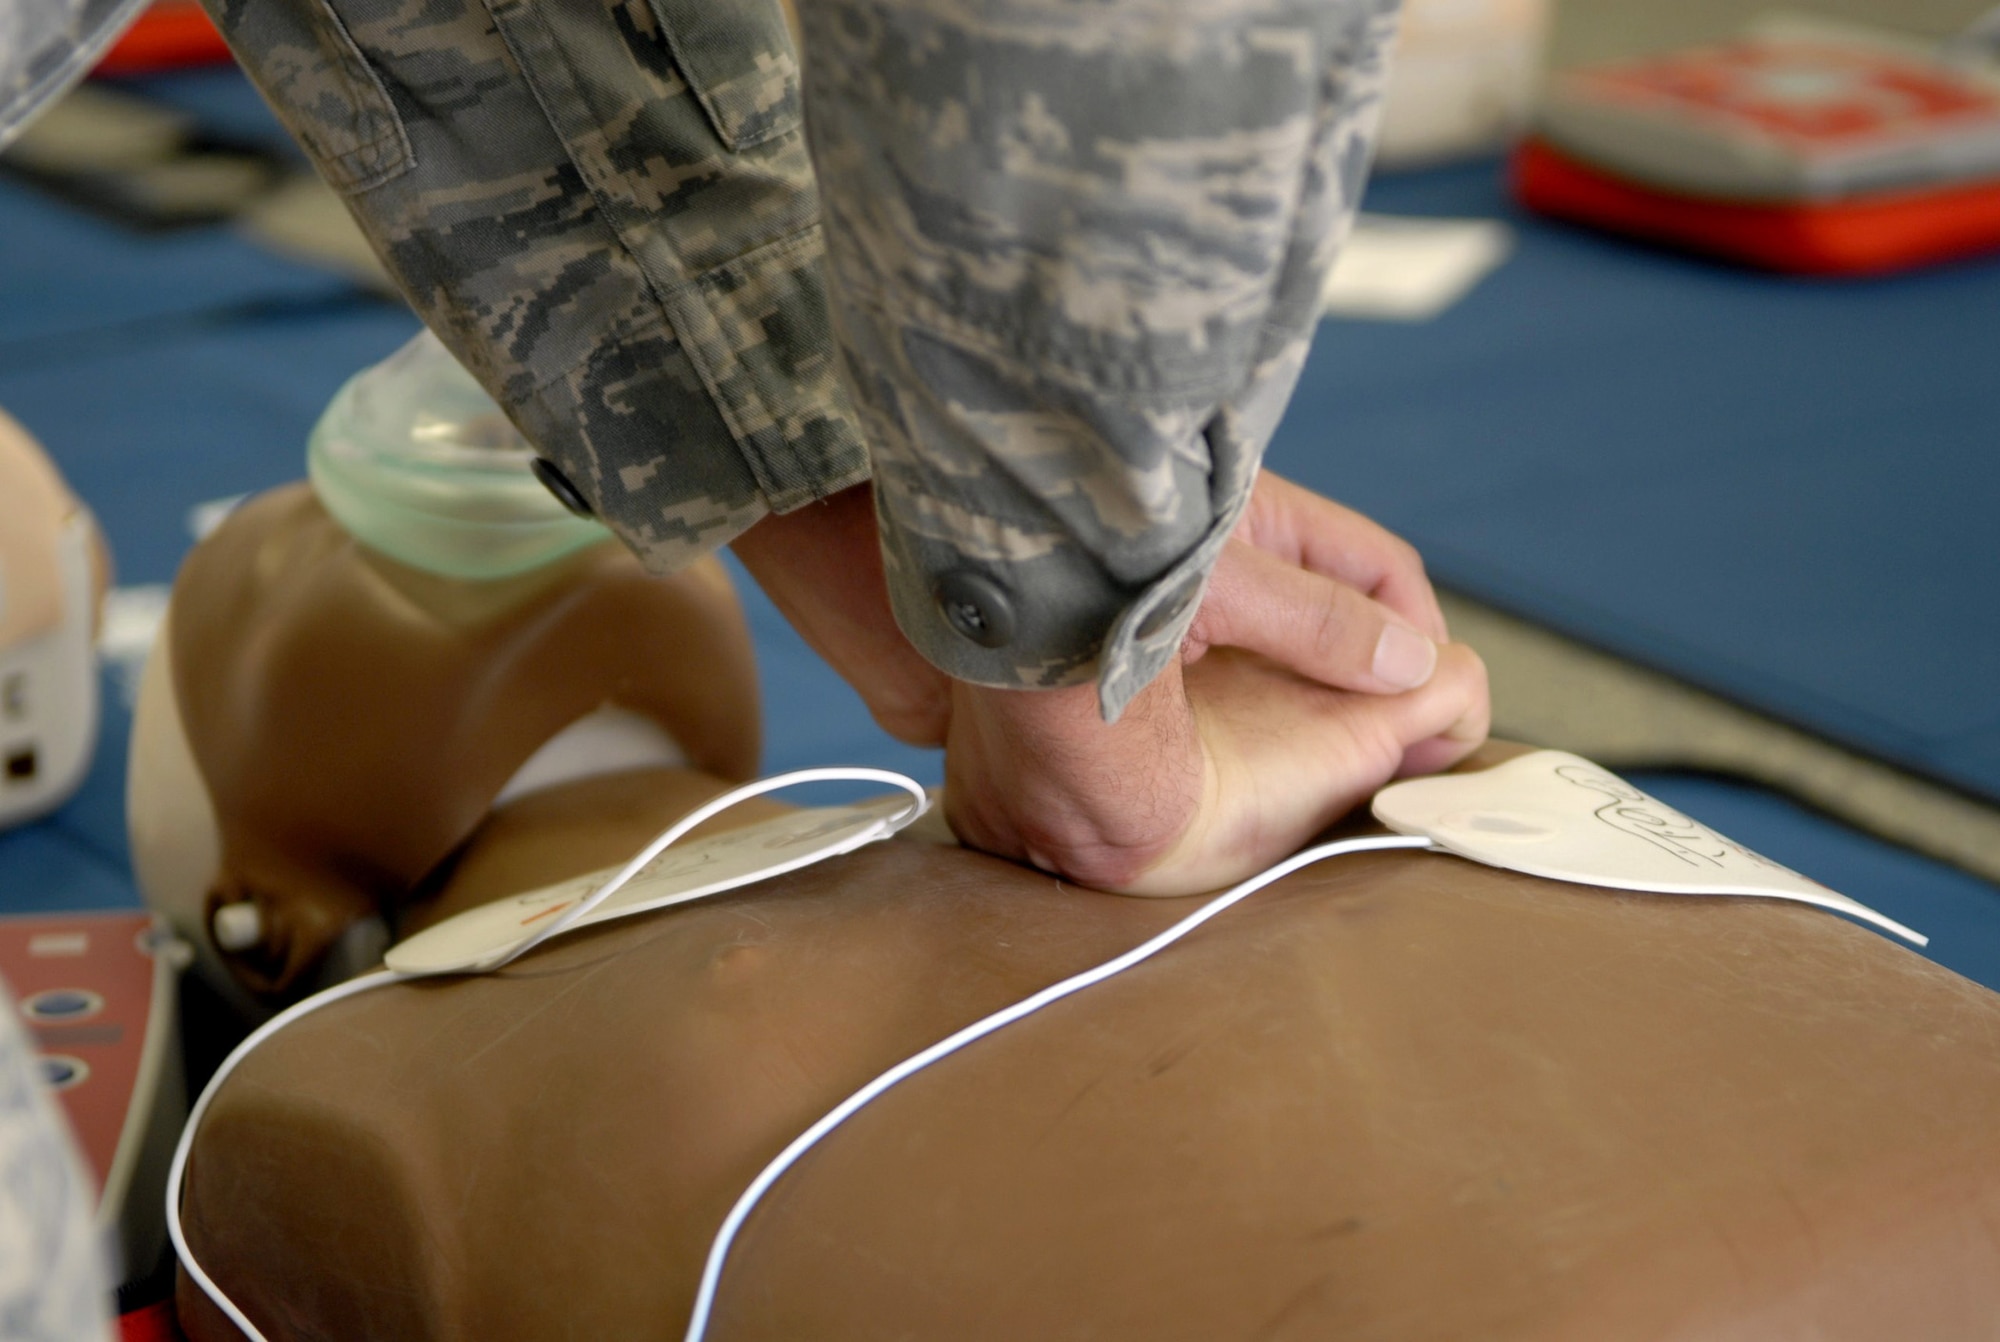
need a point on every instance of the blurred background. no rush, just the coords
(1678, 366)
(1586, 31)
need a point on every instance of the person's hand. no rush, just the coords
(1314, 672)
(1323, 590)
(1217, 769)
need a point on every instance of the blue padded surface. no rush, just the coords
(1785, 491)
(148, 428)
(221, 101)
(70, 281)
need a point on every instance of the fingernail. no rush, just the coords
(1404, 658)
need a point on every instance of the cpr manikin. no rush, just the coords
(1394, 1095)
(500, 643)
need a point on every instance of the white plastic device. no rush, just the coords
(48, 688)
(1559, 816)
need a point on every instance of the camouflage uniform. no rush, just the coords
(1075, 253)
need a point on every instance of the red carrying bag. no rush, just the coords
(1858, 236)
(170, 35)
(1800, 147)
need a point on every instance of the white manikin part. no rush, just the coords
(690, 870)
(1559, 816)
(607, 740)
(48, 691)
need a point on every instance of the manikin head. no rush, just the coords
(323, 723)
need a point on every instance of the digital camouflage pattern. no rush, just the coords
(1076, 253)
(607, 213)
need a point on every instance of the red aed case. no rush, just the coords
(1800, 147)
(1859, 236)
(170, 35)
(153, 1323)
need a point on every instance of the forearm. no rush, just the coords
(1075, 257)
(821, 565)
(608, 215)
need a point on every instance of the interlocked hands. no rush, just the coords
(1318, 668)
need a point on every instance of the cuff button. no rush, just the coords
(558, 484)
(976, 607)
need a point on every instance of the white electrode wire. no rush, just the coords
(177, 1170)
(703, 812)
(718, 1252)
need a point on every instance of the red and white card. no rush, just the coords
(1792, 110)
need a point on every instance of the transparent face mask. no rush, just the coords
(415, 460)
(46, 46)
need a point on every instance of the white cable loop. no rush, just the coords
(706, 811)
(718, 1253)
(725, 1236)
(177, 1170)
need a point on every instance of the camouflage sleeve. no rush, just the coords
(606, 212)
(1075, 254)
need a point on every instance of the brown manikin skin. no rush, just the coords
(304, 663)
(1394, 1096)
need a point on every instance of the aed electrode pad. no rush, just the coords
(691, 869)
(1559, 816)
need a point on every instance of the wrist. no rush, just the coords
(821, 566)
(838, 527)
(1039, 776)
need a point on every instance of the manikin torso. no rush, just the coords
(322, 727)
(1397, 1095)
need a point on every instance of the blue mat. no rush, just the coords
(203, 409)
(1784, 491)
(222, 102)
(71, 282)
